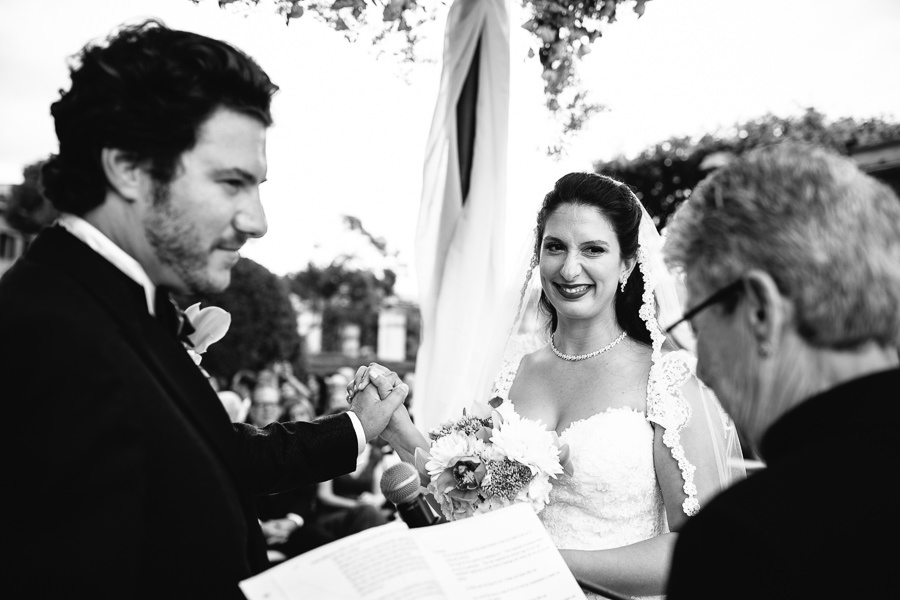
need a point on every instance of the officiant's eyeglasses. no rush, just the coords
(715, 298)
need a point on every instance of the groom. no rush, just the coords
(133, 483)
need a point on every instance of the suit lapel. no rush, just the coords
(165, 356)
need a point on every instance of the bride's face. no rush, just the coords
(580, 262)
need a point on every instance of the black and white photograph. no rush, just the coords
(449, 299)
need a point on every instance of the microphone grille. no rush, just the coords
(400, 483)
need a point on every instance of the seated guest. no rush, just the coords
(265, 406)
(301, 409)
(792, 262)
(290, 522)
(295, 521)
(336, 391)
(289, 385)
(354, 502)
(242, 383)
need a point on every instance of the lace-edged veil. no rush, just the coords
(661, 304)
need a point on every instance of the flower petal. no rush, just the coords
(210, 325)
(565, 460)
(421, 458)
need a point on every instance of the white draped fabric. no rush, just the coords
(460, 247)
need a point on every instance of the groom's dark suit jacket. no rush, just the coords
(125, 477)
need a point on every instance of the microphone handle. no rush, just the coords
(417, 513)
(599, 589)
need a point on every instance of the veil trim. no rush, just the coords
(667, 406)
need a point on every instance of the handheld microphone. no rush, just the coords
(400, 485)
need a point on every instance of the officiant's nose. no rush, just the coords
(250, 218)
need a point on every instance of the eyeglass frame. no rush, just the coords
(714, 298)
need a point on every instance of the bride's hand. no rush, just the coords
(403, 436)
(375, 407)
(385, 381)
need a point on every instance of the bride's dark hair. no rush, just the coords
(620, 206)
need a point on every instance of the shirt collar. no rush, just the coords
(105, 247)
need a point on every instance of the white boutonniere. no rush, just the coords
(210, 325)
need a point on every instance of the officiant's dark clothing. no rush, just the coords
(819, 520)
(134, 483)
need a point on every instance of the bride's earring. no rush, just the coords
(622, 279)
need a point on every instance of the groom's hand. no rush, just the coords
(403, 436)
(375, 394)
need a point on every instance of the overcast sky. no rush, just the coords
(351, 128)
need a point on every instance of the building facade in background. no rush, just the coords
(881, 161)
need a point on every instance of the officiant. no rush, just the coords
(136, 484)
(792, 262)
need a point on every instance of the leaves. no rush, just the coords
(563, 31)
(663, 175)
(349, 290)
(27, 209)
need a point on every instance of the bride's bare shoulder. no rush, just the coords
(537, 361)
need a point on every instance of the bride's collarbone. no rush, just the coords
(625, 370)
(561, 394)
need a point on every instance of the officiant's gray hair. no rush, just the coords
(826, 232)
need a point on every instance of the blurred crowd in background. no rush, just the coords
(306, 518)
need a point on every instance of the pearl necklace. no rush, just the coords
(576, 357)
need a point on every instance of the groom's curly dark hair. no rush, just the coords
(146, 92)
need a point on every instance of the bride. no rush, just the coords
(648, 441)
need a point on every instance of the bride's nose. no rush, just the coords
(571, 267)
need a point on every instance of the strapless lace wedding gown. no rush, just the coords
(612, 498)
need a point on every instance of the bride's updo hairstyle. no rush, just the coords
(622, 209)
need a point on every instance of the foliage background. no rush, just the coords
(263, 322)
(664, 174)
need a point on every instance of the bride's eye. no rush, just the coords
(553, 247)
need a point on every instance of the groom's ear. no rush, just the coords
(128, 179)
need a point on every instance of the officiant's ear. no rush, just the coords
(767, 312)
(126, 176)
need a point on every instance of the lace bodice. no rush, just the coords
(613, 498)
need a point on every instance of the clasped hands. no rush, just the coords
(376, 394)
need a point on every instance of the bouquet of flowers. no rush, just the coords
(475, 465)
